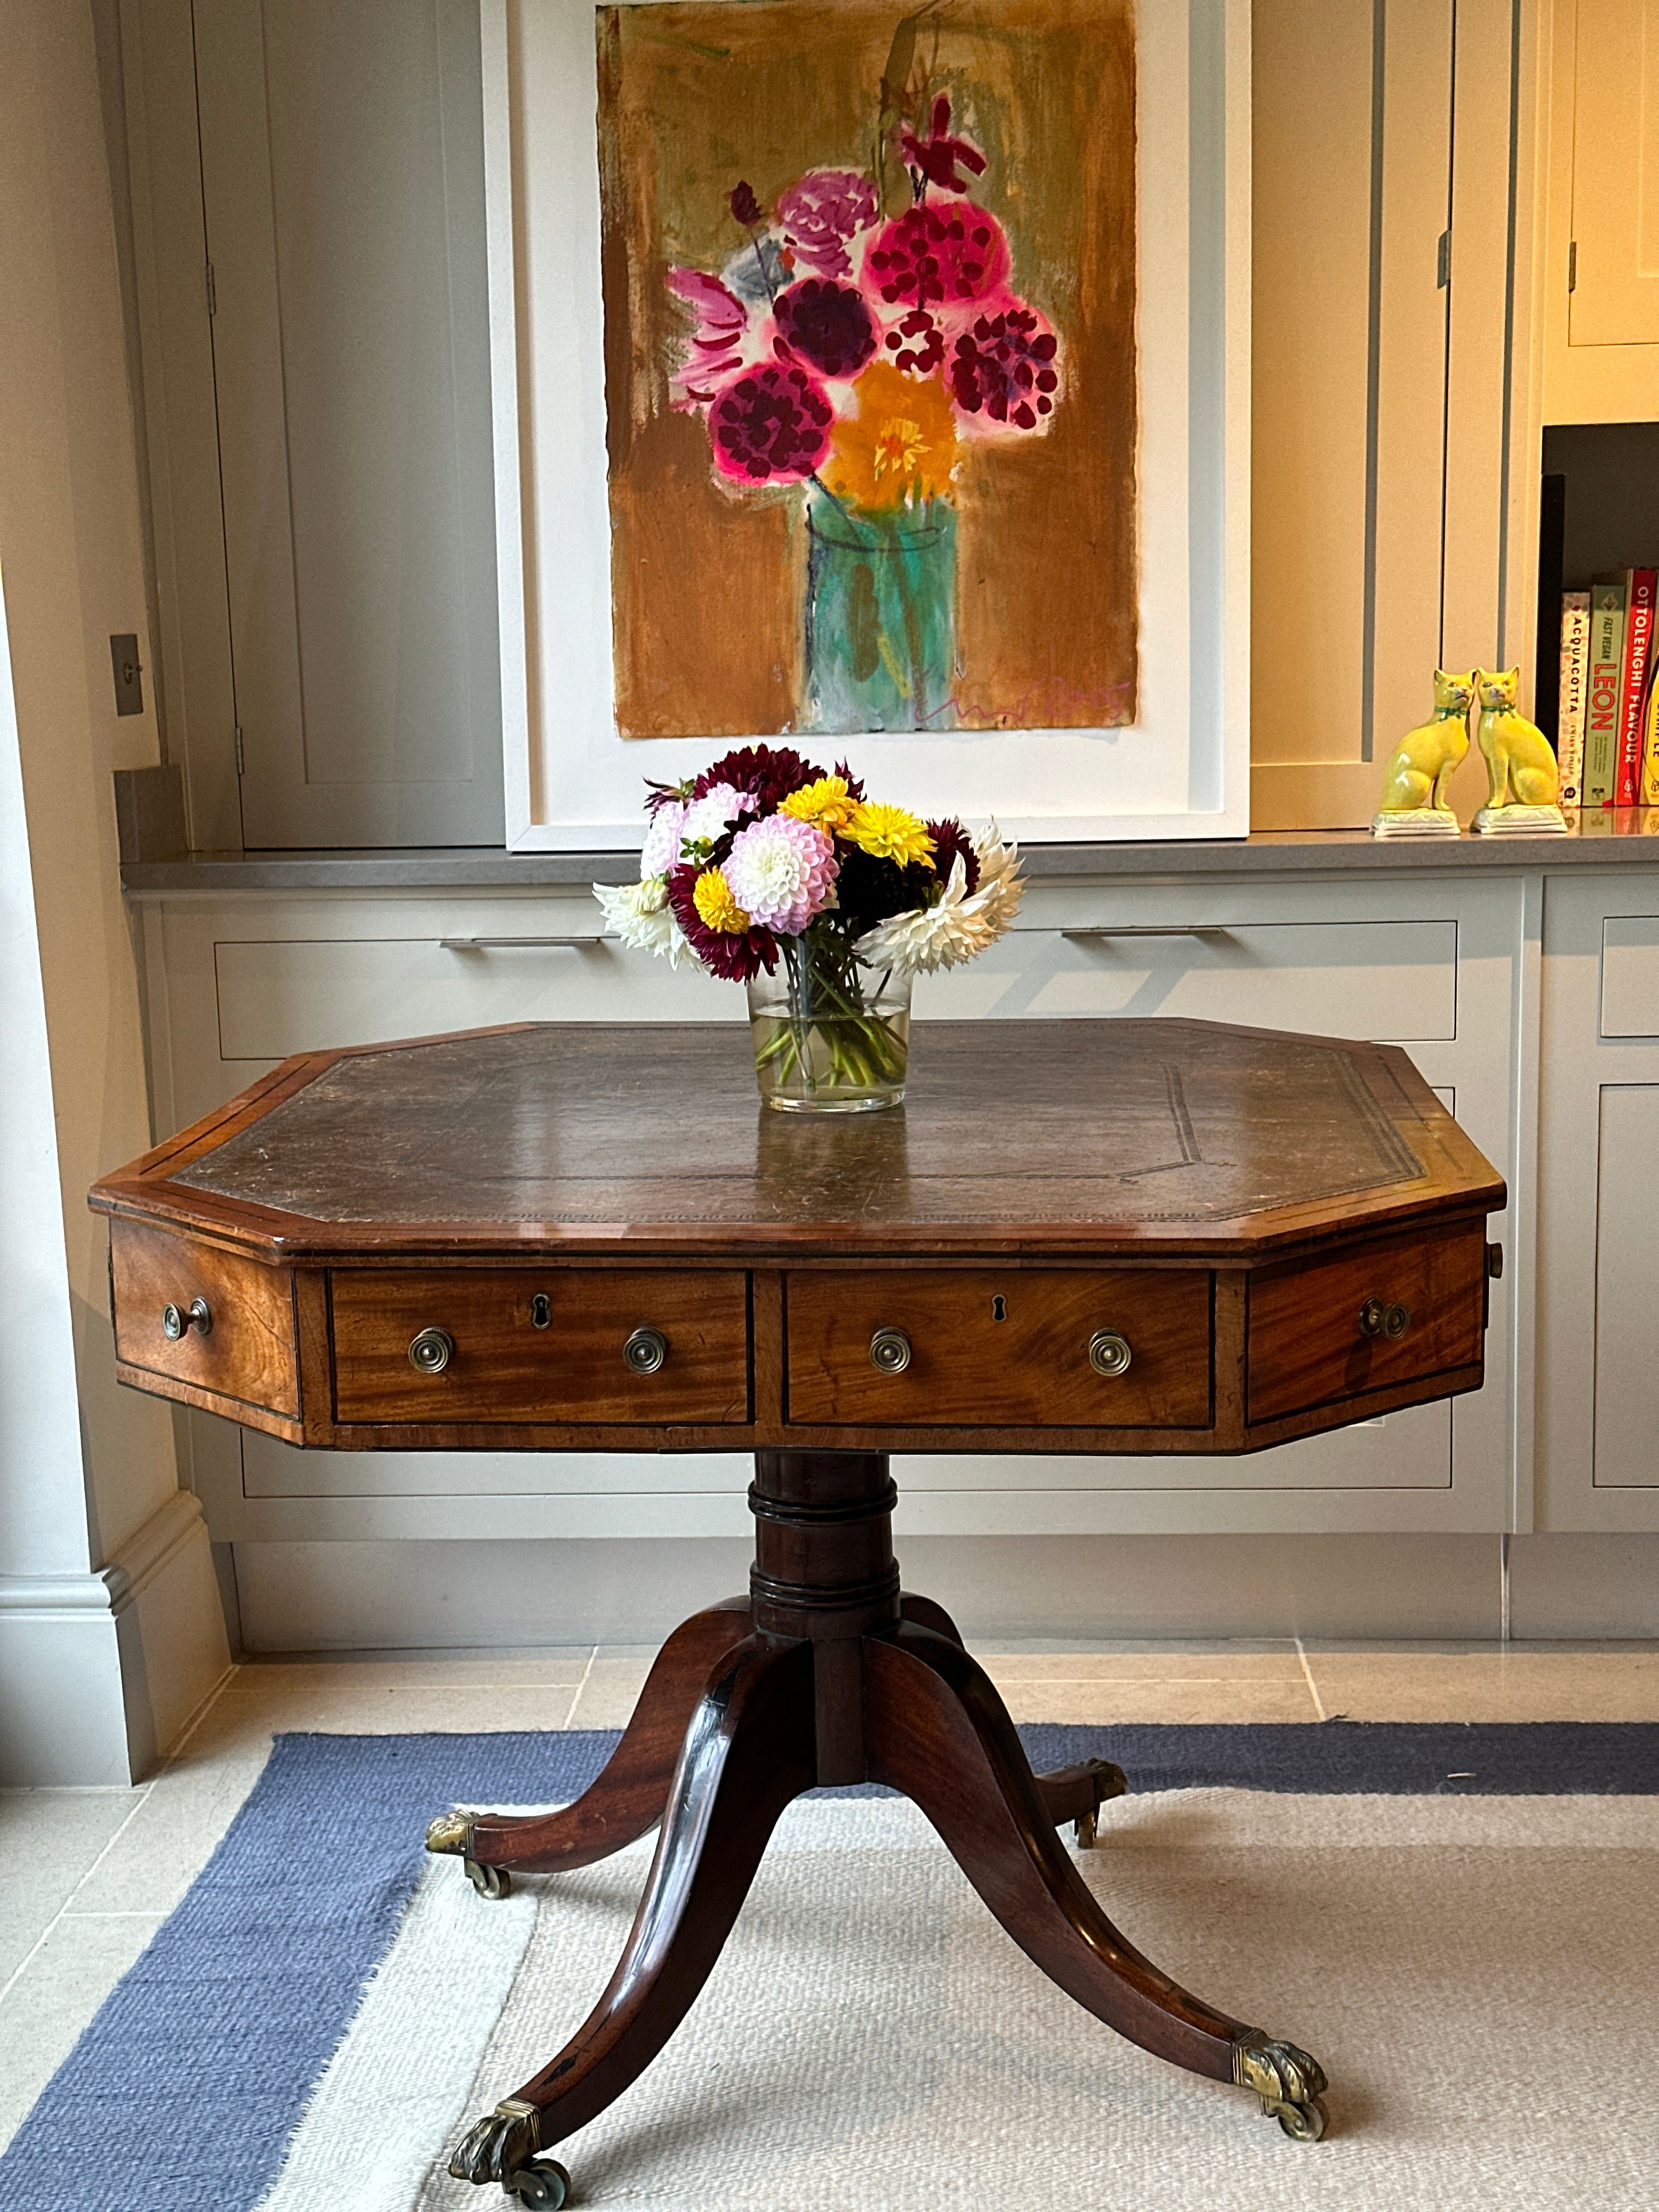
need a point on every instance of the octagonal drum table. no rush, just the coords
(1077, 1236)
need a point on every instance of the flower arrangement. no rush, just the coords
(767, 871)
(850, 345)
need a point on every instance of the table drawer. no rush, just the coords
(1000, 1347)
(1308, 1345)
(519, 1345)
(248, 1349)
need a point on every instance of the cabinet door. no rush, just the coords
(1379, 269)
(342, 177)
(1616, 175)
(1598, 1272)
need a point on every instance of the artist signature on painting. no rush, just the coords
(1054, 705)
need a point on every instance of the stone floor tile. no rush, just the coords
(53, 1998)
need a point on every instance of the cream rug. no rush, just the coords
(1479, 1978)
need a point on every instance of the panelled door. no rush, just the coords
(1616, 175)
(1380, 209)
(343, 178)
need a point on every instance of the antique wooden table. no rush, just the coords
(1077, 1236)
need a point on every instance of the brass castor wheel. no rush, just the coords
(1290, 2085)
(497, 1881)
(1302, 2122)
(1109, 1781)
(545, 2183)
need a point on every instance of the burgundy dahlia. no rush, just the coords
(952, 842)
(916, 343)
(1003, 366)
(769, 772)
(939, 157)
(770, 426)
(746, 207)
(938, 255)
(825, 325)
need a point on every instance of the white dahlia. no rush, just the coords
(958, 926)
(705, 819)
(641, 916)
(781, 872)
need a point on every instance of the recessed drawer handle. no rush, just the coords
(1379, 1318)
(890, 1352)
(1109, 1352)
(432, 1350)
(1147, 929)
(646, 1350)
(178, 1321)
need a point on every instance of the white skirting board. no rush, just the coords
(421, 1594)
(100, 1672)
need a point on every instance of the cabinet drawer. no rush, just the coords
(303, 994)
(1393, 979)
(548, 1345)
(1000, 1347)
(248, 1352)
(1630, 976)
(1307, 1346)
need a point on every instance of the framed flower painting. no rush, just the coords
(874, 378)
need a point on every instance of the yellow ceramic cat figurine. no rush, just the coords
(1421, 764)
(1520, 772)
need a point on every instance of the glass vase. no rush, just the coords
(881, 617)
(831, 1035)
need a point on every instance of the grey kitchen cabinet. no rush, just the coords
(342, 179)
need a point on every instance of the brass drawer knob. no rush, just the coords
(646, 1350)
(1377, 1317)
(890, 1352)
(178, 1321)
(1109, 1352)
(431, 1352)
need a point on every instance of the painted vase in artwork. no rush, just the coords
(881, 617)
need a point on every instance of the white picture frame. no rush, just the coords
(1182, 770)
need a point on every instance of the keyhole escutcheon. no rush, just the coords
(998, 1308)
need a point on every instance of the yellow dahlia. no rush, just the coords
(711, 895)
(888, 833)
(827, 803)
(901, 447)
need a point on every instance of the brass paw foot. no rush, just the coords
(451, 1832)
(1109, 1782)
(1288, 2083)
(501, 2148)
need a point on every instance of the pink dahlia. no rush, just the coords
(821, 213)
(1005, 366)
(770, 426)
(937, 254)
(915, 343)
(781, 872)
(661, 849)
(720, 340)
(825, 325)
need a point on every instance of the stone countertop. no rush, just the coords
(1622, 837)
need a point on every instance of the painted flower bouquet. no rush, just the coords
(825, 903)
(865, 326)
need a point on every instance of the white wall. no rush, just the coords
(99, 1555)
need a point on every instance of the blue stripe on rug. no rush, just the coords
(188, 2083)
